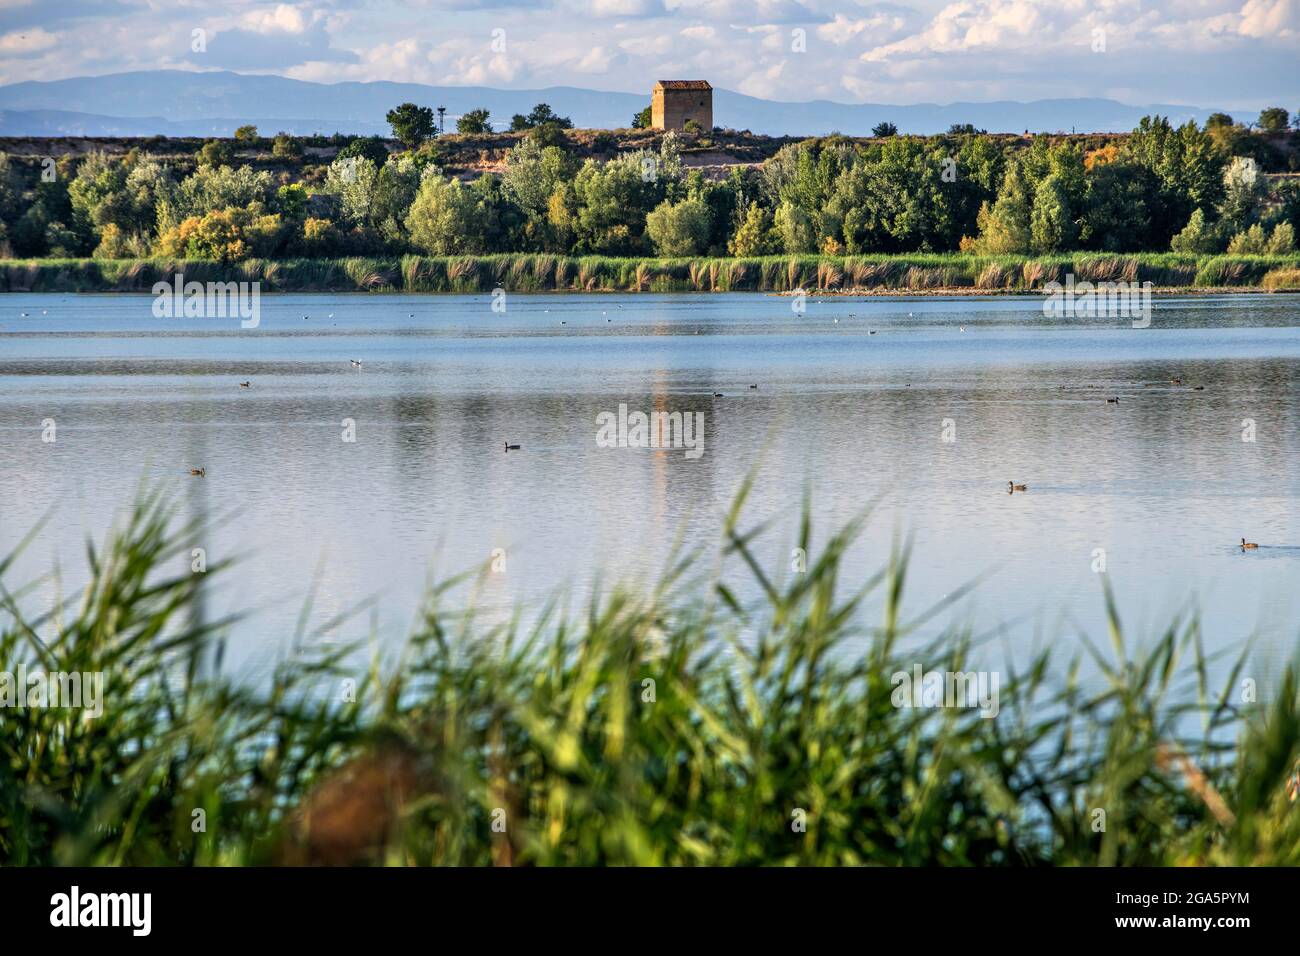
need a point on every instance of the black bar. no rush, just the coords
(534, 907)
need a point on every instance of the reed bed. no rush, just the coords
(535, 272)
(677, 725)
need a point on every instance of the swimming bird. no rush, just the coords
(356, 363)
(1247, 545)
(245, 384)
(1198, 388)
(1175, 381)
(871, 332)
(1012, 487)
(753, 386)
(510, 447)
(1112, 401)
(199, 472)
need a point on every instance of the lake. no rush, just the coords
(925, 406)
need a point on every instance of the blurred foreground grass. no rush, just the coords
(671, 728)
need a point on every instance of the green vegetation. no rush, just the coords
(675, 726)
(517, 272)
(412, 124)
(1157, 189)
(474, 122)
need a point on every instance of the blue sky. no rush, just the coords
(1230, 53)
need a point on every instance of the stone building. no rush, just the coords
(673, 102)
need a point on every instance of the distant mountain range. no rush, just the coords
(183, 103)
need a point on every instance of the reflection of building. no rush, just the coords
(673, 102)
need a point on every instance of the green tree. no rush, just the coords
(1250, 242)
(531, 177)
(753, 235)
(353, 180)
(643, 118)
(1218, 121)
(1281, 242)
(445, 218)
(613, 199)
(372, 148)
(1198, 236)
(1243, 193)
(884, 129)
(1274, 120)
(679, 229)
(285, 146)
(209, 189)
(1051, 225)
(548, 134)
(215, 153)
(1004, 227)
(412, 124)
(542, 113)
(795, 227)
(1188, 168)
(395, 190)
(474, 122)
(1117, 206)
(291, 201)
(246, 134)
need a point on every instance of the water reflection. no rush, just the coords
(1162, 480)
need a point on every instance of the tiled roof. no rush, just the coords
(682, 85)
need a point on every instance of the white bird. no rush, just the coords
(356, 364)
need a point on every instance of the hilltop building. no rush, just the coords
(673, 102)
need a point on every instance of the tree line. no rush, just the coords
(1162, 187)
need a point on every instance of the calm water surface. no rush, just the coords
(1162, 481)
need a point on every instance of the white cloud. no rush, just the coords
(27, 42)
(1270, 18)
(282, 18)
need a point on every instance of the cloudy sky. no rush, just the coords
(1228, 53)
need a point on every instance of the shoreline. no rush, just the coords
(954, 292)
(892, 276)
